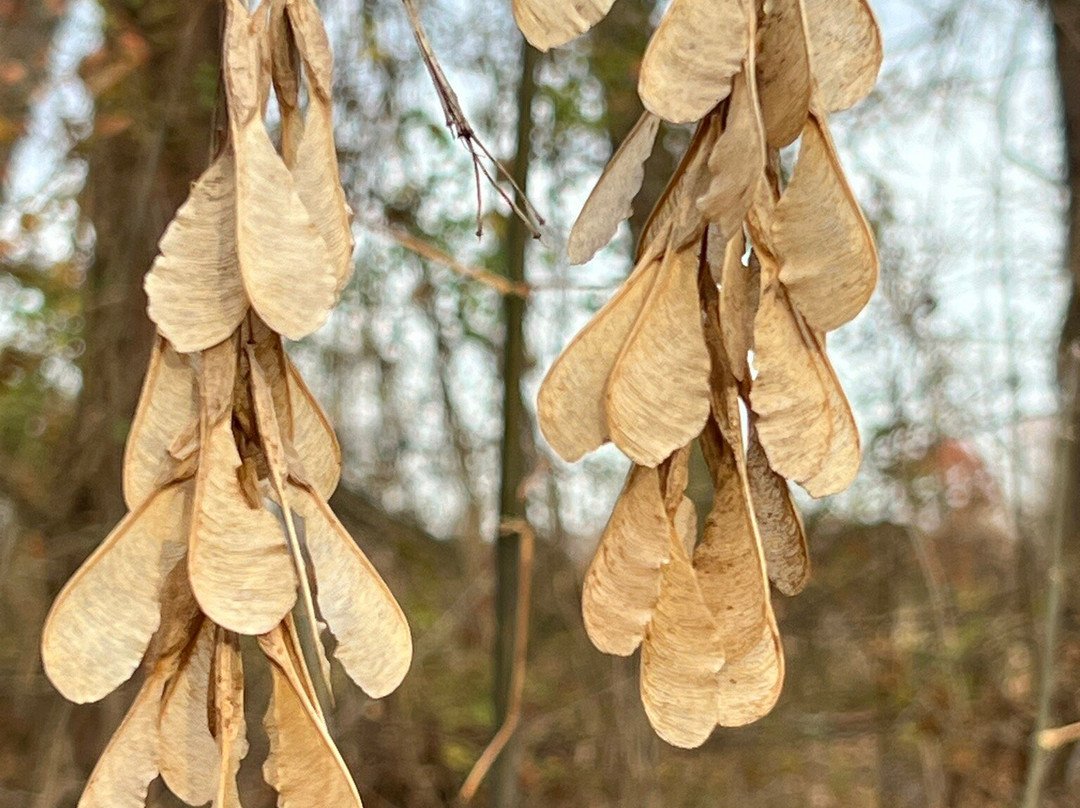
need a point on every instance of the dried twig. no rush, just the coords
(500, 284)
(1057, 737)
(517, 675)
(459, 125)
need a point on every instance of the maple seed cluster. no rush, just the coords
(229, 466)
(732, 266)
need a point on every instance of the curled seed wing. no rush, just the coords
(101, 622)
(845, 46)
(623, 582)
(285, 74)
(681, 655)
(730, 567)
(787, 557)
(239, 564)
(793, 423)
(195, 293)
(611, 200)
(736, 161)
(845, 448)
(373, 640)
(676, 222)
(657, 396)
(550, 23)
(303, 422)
(277, 242)
(828, 260)
(316, 168)
(304, 766)
(692, 57)
(167, 416)
(570, 404)
(728, 560)
(230, 727)
(783, 71)
(737, 305)
(129, 763)
(188, 759)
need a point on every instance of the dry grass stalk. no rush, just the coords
(738, 279)
(228, 453)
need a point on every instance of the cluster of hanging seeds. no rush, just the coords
(229, 466)
(718, 336)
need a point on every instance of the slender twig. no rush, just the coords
(517, 675)
(499, 283)
(458, 123)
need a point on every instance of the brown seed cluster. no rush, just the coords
(718, 337)
(229, 466)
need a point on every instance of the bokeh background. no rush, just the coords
(942, 625)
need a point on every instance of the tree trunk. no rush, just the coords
(516, 447)
(151, 142)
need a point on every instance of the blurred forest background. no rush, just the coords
(915, 667)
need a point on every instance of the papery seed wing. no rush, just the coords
(570, 404)
(189, 758)
(783, 538)
(845, 45)
(129, 763)
(750, 686)
(316, 169)
(691, 59)
(103, 619)
(793, 423)
(783, 71)
(610, 203)
(730, 566)
(623, 582)
(304, 766)
(728, 560)
(807, 430)
(676, 222)
(736, 161)
(373, 640)
(657, 395)
(240, 568)
(285, 74)
(277, 242)
(194, 290)
(680, 656)
(550, 23)
(845, 449)
(230, 726)
(167, 415)
(303, 422)
(828, 260)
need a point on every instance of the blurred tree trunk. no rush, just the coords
(154, 84)
(26, 30)
(1061, 551)
(516, 449)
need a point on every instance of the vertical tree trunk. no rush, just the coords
(137, 177)
(516, 442)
